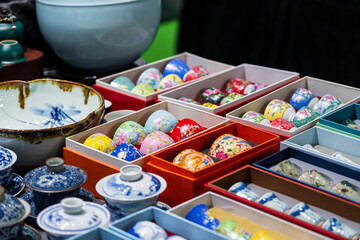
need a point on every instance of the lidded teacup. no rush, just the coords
(53, 182)
(7, 160)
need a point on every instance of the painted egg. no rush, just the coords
(122, 83)
(130, 132)
(176, 66)
(189, 100)
(185, 128)
(143, 89)
(231, 97)
(151, 76)
(200, 214)
(169, 81)
(209, 105)
(327, 103)
(303, 97)
(283, 124)
(127, 152)
(160, 120)
(228, 145)
(193, 160)
(255, 117)
(101, 142)
(234, 85)
(196, 72)
(303, 116)
(212, 95)
(147, 230)
(155, 141)
(258, 86)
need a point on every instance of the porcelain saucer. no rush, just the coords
(15, 185)
(30, 233)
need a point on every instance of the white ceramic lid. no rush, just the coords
(72, 216)
(131, 184)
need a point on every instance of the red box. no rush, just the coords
(262, 181)
(184, 184)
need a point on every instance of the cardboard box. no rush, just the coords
(291, 193)
(92, 161)
(333, 120)
(307, 161)
(260, 218)
(327, 142)
(171, 223)
(123, 99)
(99, 233)
(183, 184)
(319, 87)
(275, 78)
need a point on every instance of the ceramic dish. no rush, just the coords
(15, 185)
(30, 233)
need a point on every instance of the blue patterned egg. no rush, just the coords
(148, 230)
(122, 83)
(303, 97)
(151, 76)
(200, 214)
(160, 120)
(176, 66)
(130, 132)
(127, 152)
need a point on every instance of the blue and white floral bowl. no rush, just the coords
(130, 190)
(7, 160)
(36, 117)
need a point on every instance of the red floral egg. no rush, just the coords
(195, 73)
(185, 128)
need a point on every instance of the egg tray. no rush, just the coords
(289, 191)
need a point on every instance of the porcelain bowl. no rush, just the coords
(7, 161)
(38, 115)
(11, 52)
(106, 35)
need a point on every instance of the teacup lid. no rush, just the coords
(72, 216)
(55, 176)
(7, 157)
(11, 208)
(131, 184)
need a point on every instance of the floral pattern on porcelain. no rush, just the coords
(288, 168)
(196, 72)
(193, 160)
(101, 142)
(5, 157)
(155, 141)
(301, 98)
(122, 82)
(151, 76)
(201, 215)
(327, 103)
(11, 210)
(303, 212)
(303, 116)
(282, 124)
(212, 95)
(336, 226)
(147, 230)
(127, 152)
(143, 89)
(209, 105)
(242, 190)
(160, 120)
(15, 185)
(231, 97)
(169, 81)
(316, 178)
(232, 230)
(228, 145)
(185, 128)
(235, 85)
(277, 108)
(270, 200)
(189, 100)
(255, 117)
(176, 66)
(347, 190)
(130, 132)
(30, 234)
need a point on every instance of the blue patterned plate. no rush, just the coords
(30, 233)
(16, 185)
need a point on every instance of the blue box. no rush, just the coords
(169, 222)
(333, 169)
(99, 233)
(334, 119)
(337, 142)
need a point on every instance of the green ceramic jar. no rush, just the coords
(11, 28)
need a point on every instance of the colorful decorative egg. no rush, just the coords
(169, 81)
(201, 215)
(231, 97)
(277, 108)
(189, 100)
(122, 83)
(101, 142)
(185, 128)
(192, 160)
(209, 105)
(127, 152)
(258, 86)
(160, 120)
(228, 145)
(261, 235)
(232, 230)
(196, 72)
(176, 66)
(143, 89)
(155, 141)
(327, 103)
(303, 116)
(255, 117)
(151, 76)
(147, 230)
(130, 132)
(283, 124)
(235, 85)
(212, 95)
(303, 97)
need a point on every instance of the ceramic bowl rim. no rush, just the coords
(13, 160)
(79, 4)
(54, 130)
(25, 215)
(130, 111)
(101, 182)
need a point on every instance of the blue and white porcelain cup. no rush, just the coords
(303, 212)
(327, 103)
(303, 97)
(242, 190)
(7, 160)
(336, 226)
(270, 200)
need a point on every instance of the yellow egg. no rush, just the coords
(169, 81)
(100, 142)
(261, 235)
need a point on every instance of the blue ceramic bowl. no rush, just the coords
(106, 35)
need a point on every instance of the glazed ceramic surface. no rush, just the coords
(303, 97)
(303, 212)
(189, 100)
(160, 120)
(117, 114)
(72, 216)
(242, 190)
(155, 141)
(11, 27)
(176, 66)
(228, 145)
(316, 178)
(11, 52)
(270, 200)
(256, 117)
(283, 124)
(209, 105)
(235, 85)
(7, 160)
(169, 81)
(200, 214)
(212, 95)
(279, 109)
(130, 132)
(147, 230)
(230, 98)
(123, 83)
(127, 152)
(30, 233)
(232, 230)
(327, 103)
(143, 89)
(151, 76)
(15, 186)
(336, 226)
(346, 189)
(192, 160)
(195, 72)
(101, 142)
(185, 128)
(37, 115)
(288, 168)
(119, 37)
(303, 116)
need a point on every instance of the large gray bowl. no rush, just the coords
(98, 35)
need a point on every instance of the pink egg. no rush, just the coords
(155, 141)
